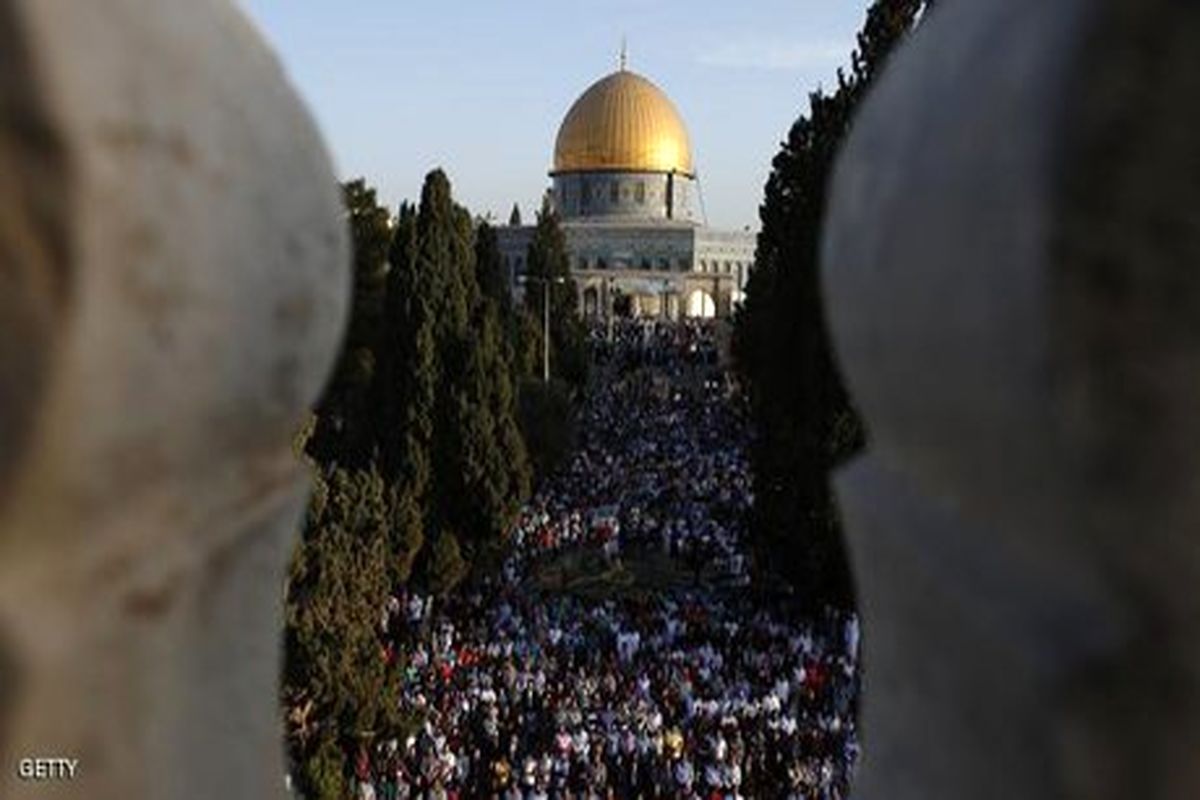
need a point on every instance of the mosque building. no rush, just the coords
(626, 192)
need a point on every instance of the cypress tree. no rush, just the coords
(446, 565)
(490, 274)
(335, 678)
(802, 412)
(493, 460)
(442, 253)
(547, 260)
(451, 439)
(344, 432)
(483, 469)
(422, 464)
(407, 390)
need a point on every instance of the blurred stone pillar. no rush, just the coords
(173, 283)
(1012, 268)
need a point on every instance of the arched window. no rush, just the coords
(639, 193)
(700, 304)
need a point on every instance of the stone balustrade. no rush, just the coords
(173, 283)
(1012, 267)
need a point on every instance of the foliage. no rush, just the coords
(323, 776)
(450, 435)
(799, 404)
(489, 270)
(419, 458)
(339, 575)
(527, 344)
(480, 469)
(546, 414)
(547, 264)
(446, 565)
(344, 431)
(406, 392)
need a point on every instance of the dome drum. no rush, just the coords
(628, 195)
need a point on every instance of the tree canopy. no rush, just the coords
(419, 460)
(804, 417)
(344, 421)
(548, 275)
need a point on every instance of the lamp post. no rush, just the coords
(545, 282)
(608, 307)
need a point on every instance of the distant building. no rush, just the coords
(624, 186)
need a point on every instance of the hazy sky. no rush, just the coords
(479, 87)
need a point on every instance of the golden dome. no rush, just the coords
(623, 122)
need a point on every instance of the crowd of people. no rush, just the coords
(661, 459)
(703, 690)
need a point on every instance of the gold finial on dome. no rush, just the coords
(623, 123)
(624, 59)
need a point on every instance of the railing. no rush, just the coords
(1012, 266)
(173, 281)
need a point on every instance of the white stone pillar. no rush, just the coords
(1011, 267)
(175, 284)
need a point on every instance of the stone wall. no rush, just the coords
(647, 260)
(1011, 267)
(173, 283)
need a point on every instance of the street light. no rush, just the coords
(545, 282)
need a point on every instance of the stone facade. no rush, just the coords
(666, 268)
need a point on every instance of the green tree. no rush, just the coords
(547, 265)
(420, 459)
(490, 274)
(805, 420)
(451, 438)
(406, 392)
(546, 415)
(522, 332)
(527, 345)
(446, 565)
(338, 581)
(344, 432)
(480, 463)
(322, 776)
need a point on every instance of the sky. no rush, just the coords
(479, 87)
